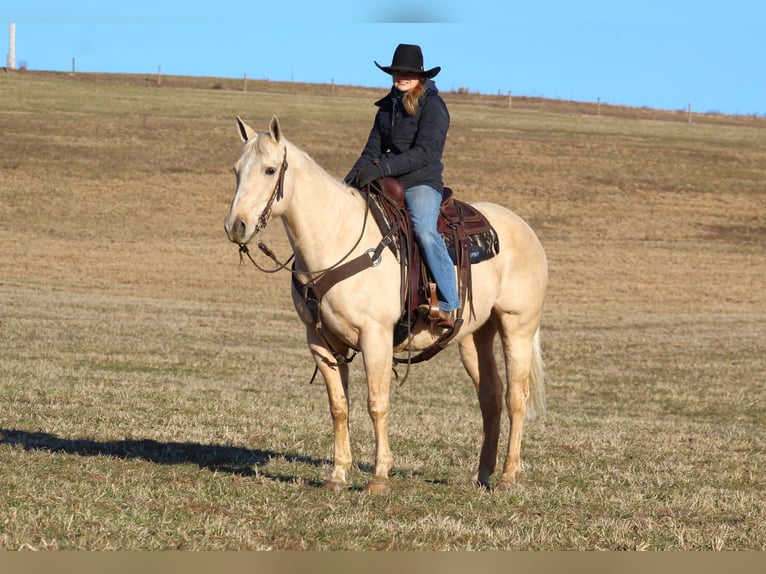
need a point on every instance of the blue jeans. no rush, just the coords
(423, 203)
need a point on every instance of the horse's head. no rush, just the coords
(260, 172)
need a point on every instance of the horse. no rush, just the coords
(328, 222)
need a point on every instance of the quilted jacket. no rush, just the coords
(408, 148)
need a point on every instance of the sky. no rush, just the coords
(644, 53)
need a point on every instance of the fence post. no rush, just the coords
(159, 75)
(245, 84)
(510, 99)
(689, 113)
(598, 106)
(12, 46)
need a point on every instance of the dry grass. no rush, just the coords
(155, 395)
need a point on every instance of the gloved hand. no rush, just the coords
(367, 173)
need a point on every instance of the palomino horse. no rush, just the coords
(327, 223)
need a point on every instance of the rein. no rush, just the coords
(244, 250)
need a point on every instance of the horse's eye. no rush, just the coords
(270, 171)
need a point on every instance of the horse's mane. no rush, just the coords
(309, 164)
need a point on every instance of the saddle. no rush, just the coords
(469, 238)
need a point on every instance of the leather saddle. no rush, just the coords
(469, 237)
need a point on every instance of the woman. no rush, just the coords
(406, 142)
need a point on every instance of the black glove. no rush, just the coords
(367, 173)
(351, 176)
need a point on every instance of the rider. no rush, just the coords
(406, 142)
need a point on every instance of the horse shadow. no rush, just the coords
(212, 457)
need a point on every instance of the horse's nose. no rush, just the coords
(236, 230)
(239, 228)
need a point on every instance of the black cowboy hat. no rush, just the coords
(409, 58)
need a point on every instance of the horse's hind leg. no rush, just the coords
(479, 361)
(336, 381)
(517, 349)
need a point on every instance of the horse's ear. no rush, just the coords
(274, 130)
(245, 131)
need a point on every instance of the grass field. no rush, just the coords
(154, 394)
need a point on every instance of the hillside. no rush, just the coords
(155, 392)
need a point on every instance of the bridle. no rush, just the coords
(276, 195)
(263, 220)
(265, 217)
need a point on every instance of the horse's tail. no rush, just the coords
(536, 401)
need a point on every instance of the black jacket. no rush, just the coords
(409, 147)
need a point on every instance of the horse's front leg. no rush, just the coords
(336, 381)
(377, 352)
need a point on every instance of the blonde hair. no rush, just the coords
(411, 99)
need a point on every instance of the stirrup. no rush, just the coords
(434, 312)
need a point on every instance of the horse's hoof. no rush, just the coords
(334, 484)
(481, 480)
(378, 486)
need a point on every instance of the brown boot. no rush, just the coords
(444, 320)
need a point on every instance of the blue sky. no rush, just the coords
(659, 54)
